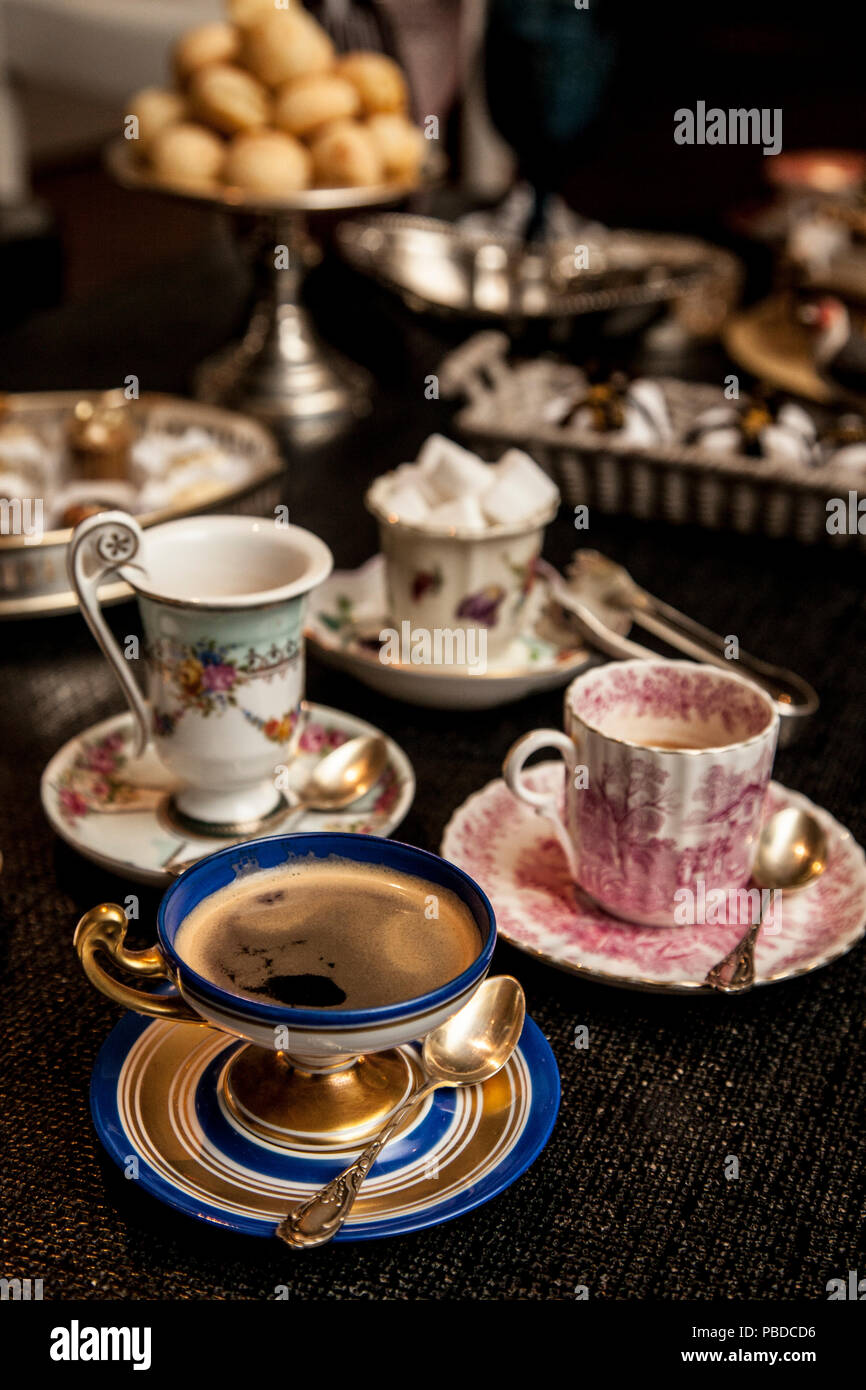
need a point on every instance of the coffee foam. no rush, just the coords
(330, 933)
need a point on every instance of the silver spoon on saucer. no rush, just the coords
(792, 853)
(469, 1047)
(344, 775)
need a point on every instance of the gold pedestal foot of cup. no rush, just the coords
(337, 1107)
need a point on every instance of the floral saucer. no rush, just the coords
(155, 1103)
(111, 807)
(347, 613)
(517, 859)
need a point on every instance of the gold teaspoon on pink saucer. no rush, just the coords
(792, 853)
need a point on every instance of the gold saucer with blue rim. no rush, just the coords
(157, 1095)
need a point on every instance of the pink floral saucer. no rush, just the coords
(110, 806)
(517, 859)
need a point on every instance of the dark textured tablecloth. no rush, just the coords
(630, 1196)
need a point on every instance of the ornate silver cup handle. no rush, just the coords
(100, 546)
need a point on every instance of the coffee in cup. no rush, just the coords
(330, 933)
(405, 936)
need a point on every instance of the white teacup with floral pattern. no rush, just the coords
(221, 600)
(446, 580)
(667, 767)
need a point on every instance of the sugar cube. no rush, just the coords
(461, 514)
(405, 501)
(411, 473)
(522, 470)
(450, 470)
(521, 489)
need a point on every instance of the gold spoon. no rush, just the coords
(792, 852)
(343, 776)
(469, 1047)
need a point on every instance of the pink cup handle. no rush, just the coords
(543, 803)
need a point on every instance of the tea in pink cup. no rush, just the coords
(667, 767)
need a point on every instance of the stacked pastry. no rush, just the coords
(263, 103)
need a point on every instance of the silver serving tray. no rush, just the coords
(33, 580)
(446, 269)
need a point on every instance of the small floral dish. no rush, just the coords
(347, 616)
(114, 808)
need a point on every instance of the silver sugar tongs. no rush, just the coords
(794, 697)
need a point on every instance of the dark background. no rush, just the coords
(629, 1198)
(625, 168)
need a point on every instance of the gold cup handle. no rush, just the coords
(101, 932)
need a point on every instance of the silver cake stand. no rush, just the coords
(279, 370)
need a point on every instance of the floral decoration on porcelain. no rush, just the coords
(672, 694)
(94, 781)
(426, 582)
(277, 730)
(205, 677)
(343, 620)
(626, 860)
(483, 606)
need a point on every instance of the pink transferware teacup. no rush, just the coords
(667, 766)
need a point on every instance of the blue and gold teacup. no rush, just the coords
(308, 1076)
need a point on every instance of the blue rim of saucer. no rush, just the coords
(216, 871)
(541, 1081)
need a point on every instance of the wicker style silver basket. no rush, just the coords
(512, 403)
